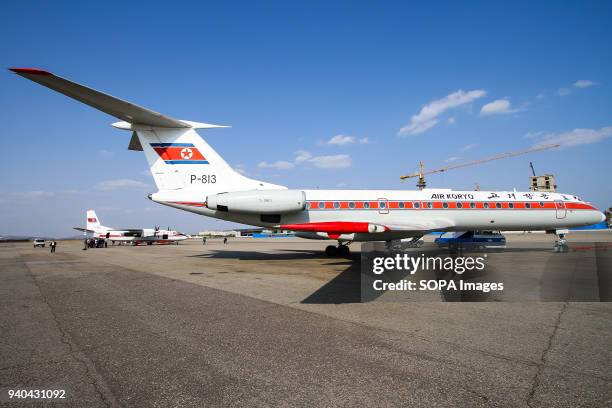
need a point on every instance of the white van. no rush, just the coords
(39, 243)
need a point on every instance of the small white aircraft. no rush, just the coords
(147, 236)
(191, 176)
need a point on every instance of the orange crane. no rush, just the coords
(421, 184)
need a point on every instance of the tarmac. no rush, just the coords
(273, 322)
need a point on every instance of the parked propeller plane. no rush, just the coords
(137, 236)
(192, 176)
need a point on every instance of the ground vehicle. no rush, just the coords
(39, 243)
(478, 239)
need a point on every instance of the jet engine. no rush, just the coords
(258, 201)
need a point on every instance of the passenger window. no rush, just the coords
(351, 204)
(336, 205)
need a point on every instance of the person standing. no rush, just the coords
(85, 244)
(203, 240)
(53, 244)
(225, 240)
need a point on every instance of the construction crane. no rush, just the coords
(421, 184)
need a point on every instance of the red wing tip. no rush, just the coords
(32, 71)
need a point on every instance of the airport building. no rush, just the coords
(544, 183)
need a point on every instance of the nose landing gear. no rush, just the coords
(340, 250)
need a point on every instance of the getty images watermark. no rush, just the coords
(425, 274)
(411, 264)
(474, 274)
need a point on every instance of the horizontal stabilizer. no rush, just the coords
(83, 229)
(106, 103)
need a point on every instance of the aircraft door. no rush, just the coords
(561, 209)
(383, 206)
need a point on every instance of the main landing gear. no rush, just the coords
(340, 250)
(560, 244)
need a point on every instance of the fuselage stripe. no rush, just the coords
(432, 205)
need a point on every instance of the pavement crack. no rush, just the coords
(95, 379)
(541, 365)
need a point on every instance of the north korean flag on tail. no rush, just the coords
(179, 153)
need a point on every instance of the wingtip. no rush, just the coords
(31, 71)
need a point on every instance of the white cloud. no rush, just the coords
(120, 184)
(564, 91)
(533, 135)
(239, 168)
(279, 165)
(33, 195)
(428, 115)
(584, 83)
(497, 107)
(341, 140)
(452, 159)
(338, 161)
(574, 137)
(469, 147)
(364, 140)
(302, 156)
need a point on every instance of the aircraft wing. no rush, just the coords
(425, 226)
(351, 227)
(116, 107)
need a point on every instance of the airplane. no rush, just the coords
(147, 236)
(191, 176)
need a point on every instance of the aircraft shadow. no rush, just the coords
(284, 255)
(343, 288)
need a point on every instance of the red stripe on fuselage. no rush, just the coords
(339, 227)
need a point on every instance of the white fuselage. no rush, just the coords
(455, 210)
(140, 236)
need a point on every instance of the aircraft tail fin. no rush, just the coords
(93, 222)
(182, 159)
(179, 158)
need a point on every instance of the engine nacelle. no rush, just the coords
(258, 201)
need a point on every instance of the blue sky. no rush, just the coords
(291, 76)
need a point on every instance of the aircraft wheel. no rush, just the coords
(331, 250)
(343, 250)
